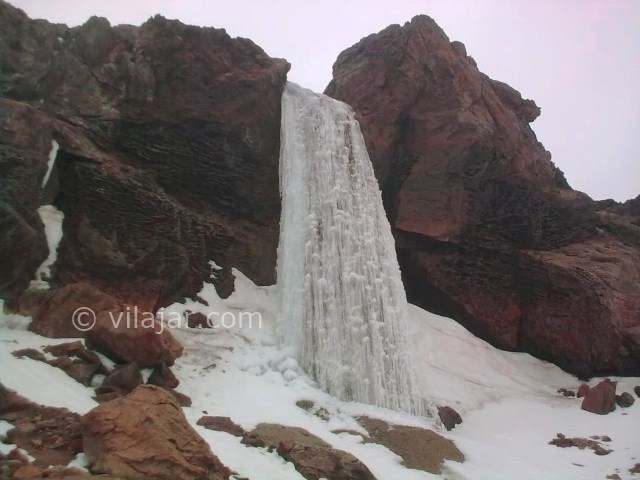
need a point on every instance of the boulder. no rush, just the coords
(600, 399)
(636, 389)
(449, 417)
(487, 229)
(133, 336)
(582, 390)
(50, 435)
(625, 400)
(221, 424)
(145, 434)
(24, 154)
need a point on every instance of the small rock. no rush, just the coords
(449, 417)
(567, 393)
(221, 424)
(127, 377)
(614, 476)
(107, 397)
(625, 400)
(31, 353)
(636, 389)
(68, 349)
(146, 435)
(82, 372)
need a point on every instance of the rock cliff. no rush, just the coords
(488, 230)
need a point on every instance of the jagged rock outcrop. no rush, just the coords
(488, 230)
(169, 142)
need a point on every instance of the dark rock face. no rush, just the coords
(121, 436)
(488, 230)
(169, 141)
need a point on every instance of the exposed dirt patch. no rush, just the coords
(420, 448)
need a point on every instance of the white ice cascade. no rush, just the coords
(343, 302)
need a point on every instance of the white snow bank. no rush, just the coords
(508, 401)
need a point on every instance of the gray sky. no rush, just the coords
(578, 59)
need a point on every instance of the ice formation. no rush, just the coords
(343, 302)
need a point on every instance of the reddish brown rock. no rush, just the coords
(125, 378)
(197, 320)
(582, 390)
(83, 372)
(146, 435)
(581, 443)
(449, 417)
(183, 400)
(50, 435)
(600, 399)
(162, 376)
(23, 163)
(625, 400)
(31, 353)
(567, 393)
(33, 472)
(419, 448)
(133, 336)
(53, 310)
(313, 458)
(636, 389)
(487, 229)
(221, 424)
(169, 142)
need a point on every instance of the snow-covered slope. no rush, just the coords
(508, 401)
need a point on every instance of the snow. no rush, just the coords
(508, 401)
(52, 219)
(343, 302)
(52, 159)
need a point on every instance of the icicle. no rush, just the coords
(343, 301)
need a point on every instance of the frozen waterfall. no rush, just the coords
(343, 301)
